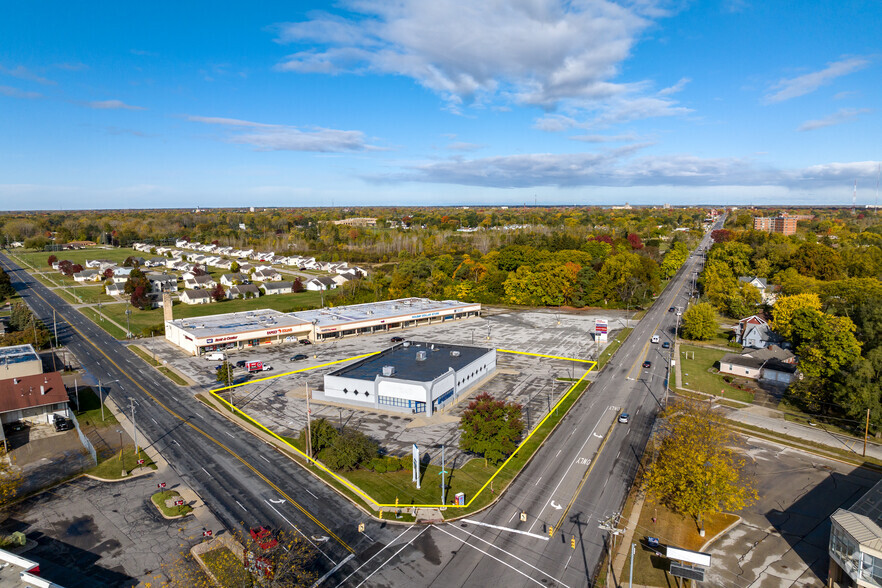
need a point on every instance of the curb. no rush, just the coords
(127, 478)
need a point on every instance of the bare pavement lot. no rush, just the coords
(782, 539)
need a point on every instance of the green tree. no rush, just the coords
(350, 450)
(824, 343)
(858, 389)
(698, 322)
(225, 373)
(696, 469)
(6, 288)
(323, 435)
(491, 428)
(786, 306)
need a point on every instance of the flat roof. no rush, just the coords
(237, 322)
(17, 354)
(403, 358)
(370, 311)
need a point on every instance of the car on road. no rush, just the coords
(647, 364)
(266, 368)
(299, 357)
(671, 309)
(397, 339)
(666, 345)
(624, 417)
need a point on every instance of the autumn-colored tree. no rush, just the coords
(297, 285)
(10, 482)
(491, 428)
(139, 298)
(695, 469)
(635, 241)
(65, 267)
(698, 322)
(219, 294)
(786, 306)
(722, 235)
(52, 259)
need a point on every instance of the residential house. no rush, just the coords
(97, 263)
(197, 282)
(270, 288)
(195, 297)
(765, 289)
(223, 264)
(320, 283)
(266, 274)
(115, 289)
(341, 279)
(754, 331)
(155, 262)
(34, 398)
(232, 279)
(243, 291)
(181, 243)
(772, 364)
(163, 282)
(245, 267)
(89, 275)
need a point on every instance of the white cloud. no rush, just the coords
(614, 111)
(620, 168)
(837, 118)
(785, 89)
(23, 73)
(531, 51)
(16, 93)
(113, 105)
(463, 146)
(623, 138)
(270, 137)
(678, 87)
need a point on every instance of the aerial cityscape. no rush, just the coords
(440, 294)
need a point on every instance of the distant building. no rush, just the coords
(357, 222)
(784, 224)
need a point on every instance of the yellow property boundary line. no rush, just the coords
(358, 491)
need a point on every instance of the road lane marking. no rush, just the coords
(355, 571)
(195, 428)
(499, 560)
(264, 459)
(330, 572)
(230, 434)
(206, 471)
(154, 420)
(527, 533)
(240, 504)
(537, 481)
(296, 528)
(311, 494)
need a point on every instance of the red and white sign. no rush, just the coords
(254, 366)
(161, 485)
(600, 330)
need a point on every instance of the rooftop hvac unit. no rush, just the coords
(454, 353)
(388, 371)
(432, 347)
(421, 355)
(406, 344)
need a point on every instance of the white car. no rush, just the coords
(624, 418)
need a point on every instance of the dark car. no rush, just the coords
(397, 339)
(647, 364)
(241, 363)
(62, 424)
(666, 345)
(305, 342)
(299, 357)
(671, 309)
(15, 426)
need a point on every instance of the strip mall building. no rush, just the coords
(241, 330)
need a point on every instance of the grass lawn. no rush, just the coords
(144, 319)
(613, 346)
(696, 374)
(166, 371)
(112, 467)
(670, 529)
(39, 259)
(90, 413)
(226, 567)
(92, 315)
(170, 511)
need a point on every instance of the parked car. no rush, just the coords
(299, 357)
(647, 364)
(305, 342)
(624, 417)
(241, 363)
(62, 424)
(397, 339)
(15, 426)
(266, 368)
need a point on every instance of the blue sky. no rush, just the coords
(117, 105)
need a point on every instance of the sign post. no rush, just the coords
(416, 465)
(600, 330)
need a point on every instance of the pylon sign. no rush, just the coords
(416, 465)
(600, 330)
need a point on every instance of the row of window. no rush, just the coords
(355, 392)
(472, 375)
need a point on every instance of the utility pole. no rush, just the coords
(866, 432)
(134, 427)
(443, 482)
(308, 424)
(631, 570)
(153, 346)
(55, 342)
(101, 399)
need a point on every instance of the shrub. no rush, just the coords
(393, 464)
(378, 465)
(350, 450)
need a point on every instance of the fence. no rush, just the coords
(83, 439)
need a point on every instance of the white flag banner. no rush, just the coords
(416, 465)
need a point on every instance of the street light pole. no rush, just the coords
(134, 426)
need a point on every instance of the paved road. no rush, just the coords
(245, 483)
(566, 491)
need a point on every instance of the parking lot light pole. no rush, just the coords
(101, 396)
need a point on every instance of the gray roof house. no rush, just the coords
(771, 364)
(277, 288)
(195, 297)
(243, 291)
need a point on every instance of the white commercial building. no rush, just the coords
(411, 377)
(261, 327)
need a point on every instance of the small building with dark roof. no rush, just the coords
(411, 377)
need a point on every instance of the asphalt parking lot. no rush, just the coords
(782, 539)
(533, 382)
(93, 534)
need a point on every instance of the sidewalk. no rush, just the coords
(167, 474)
